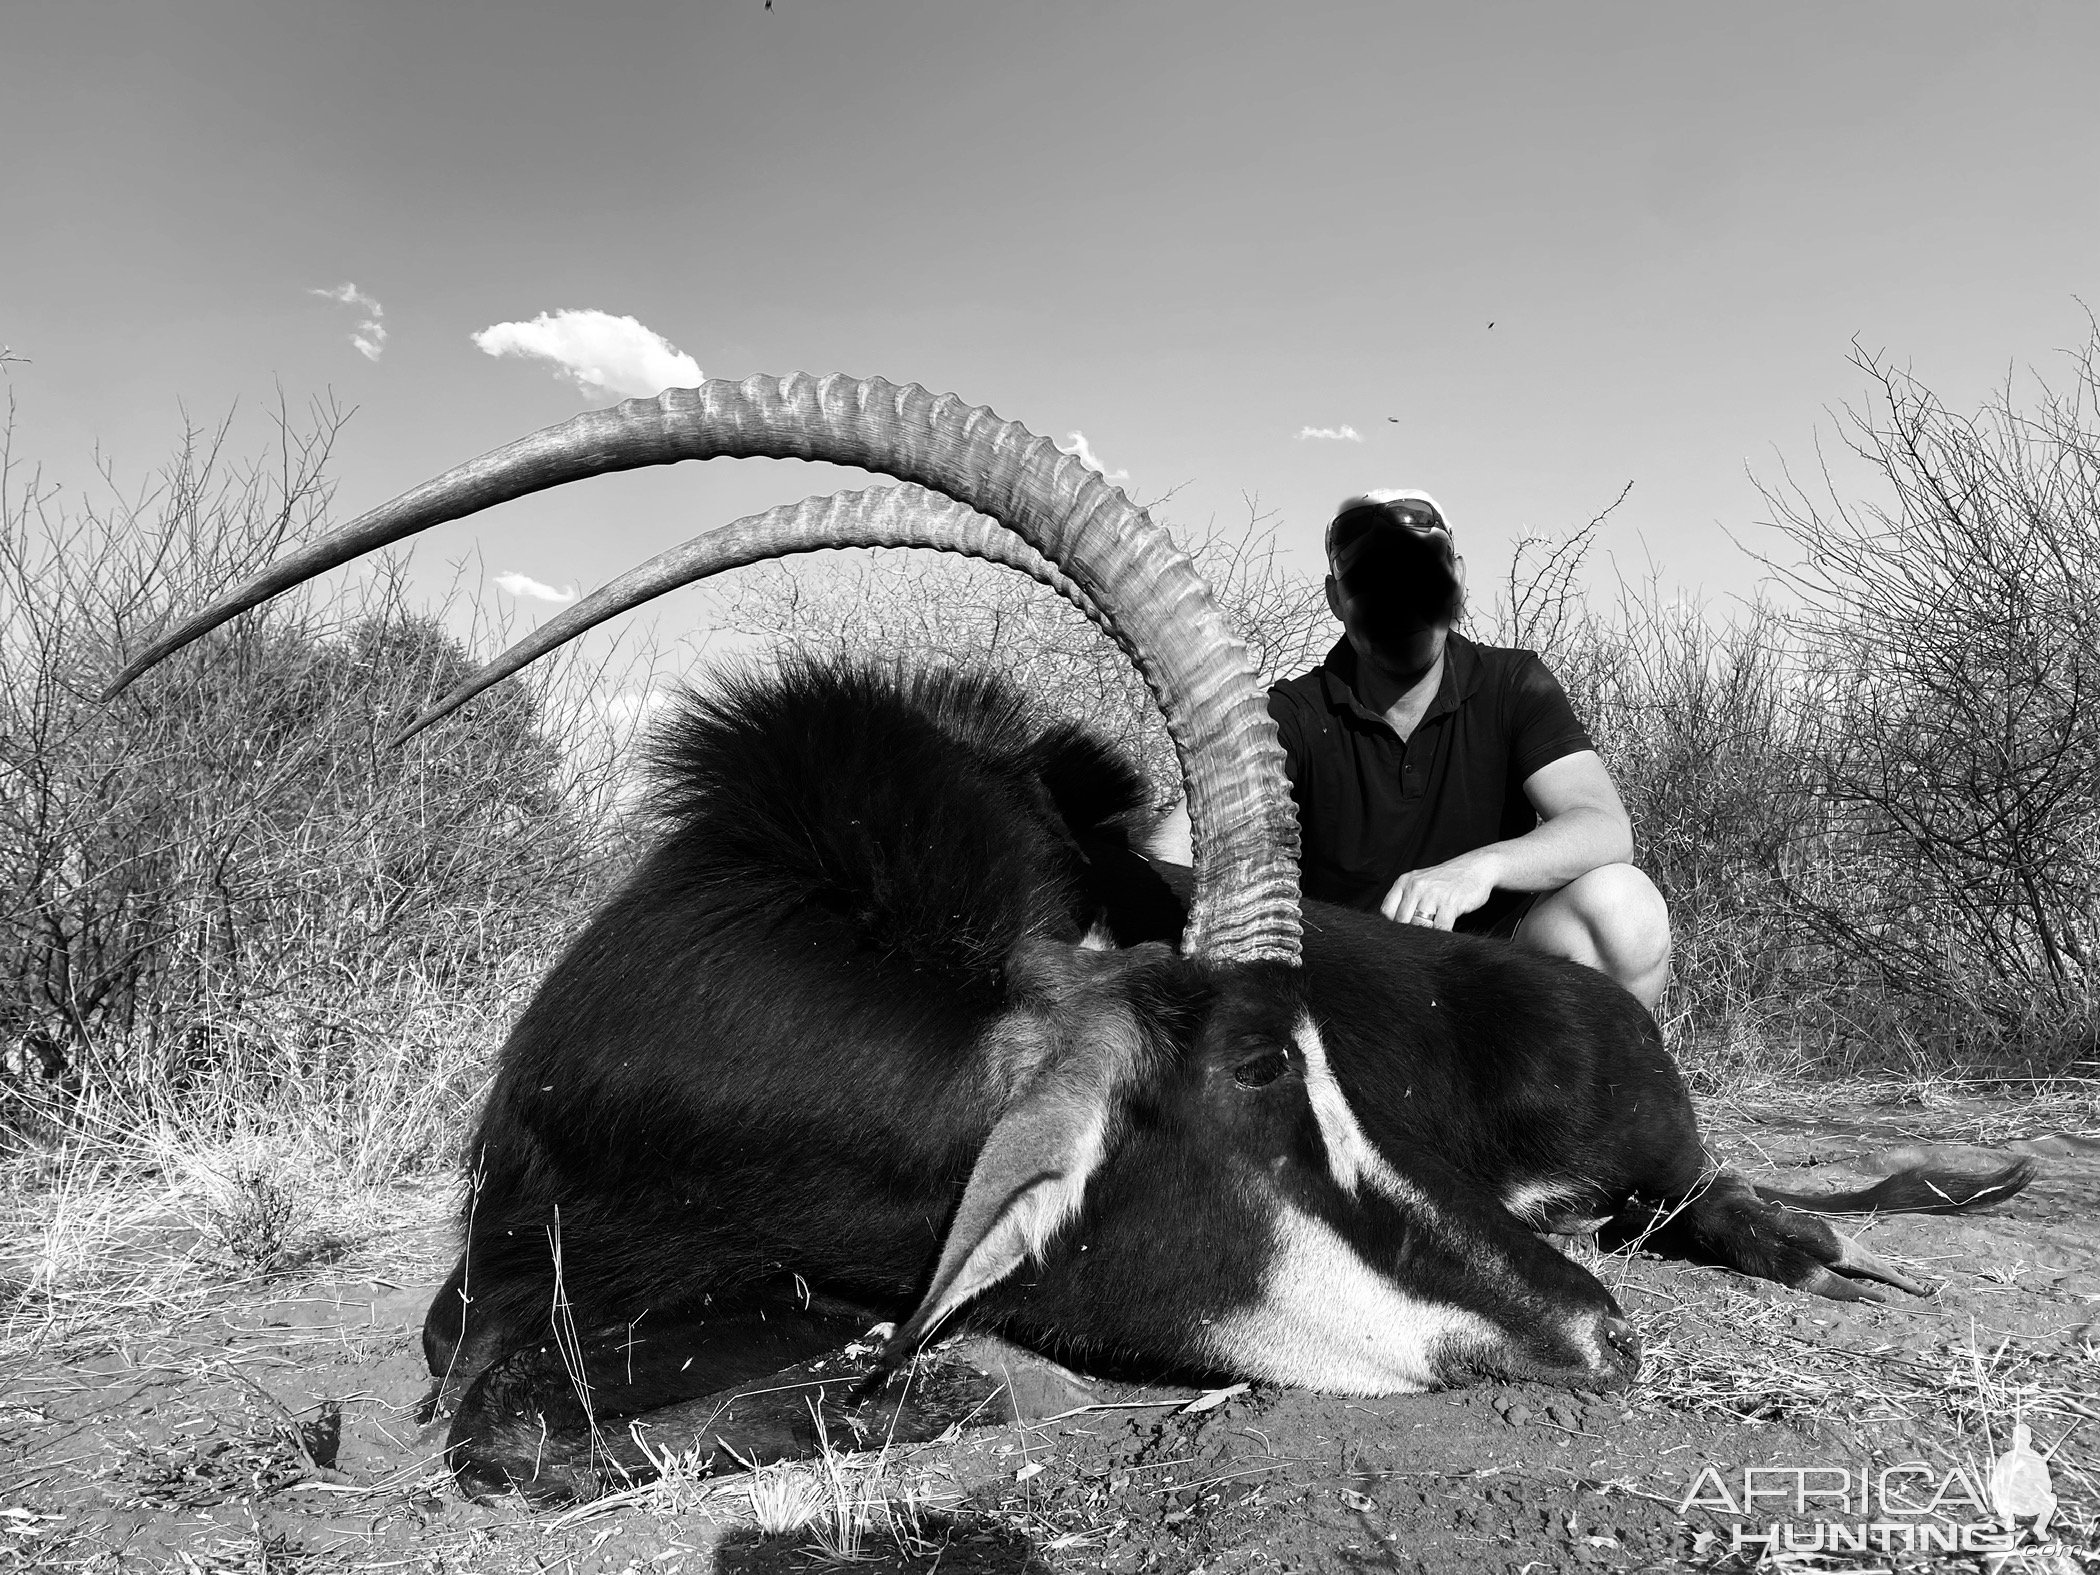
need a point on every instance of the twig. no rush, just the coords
(293, 1434)
(1112, 1405)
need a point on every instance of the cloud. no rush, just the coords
(525, 585)
(1075, 443)
(1332, 434)
(369, 340)
(347, 294)
(598, 352)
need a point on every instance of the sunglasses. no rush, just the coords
(1418, 519)
(1415, 516)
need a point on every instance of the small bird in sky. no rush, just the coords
(770, 7)
(1392, 418)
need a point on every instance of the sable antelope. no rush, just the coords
(896, 1013)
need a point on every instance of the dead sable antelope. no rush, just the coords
(896, 1018)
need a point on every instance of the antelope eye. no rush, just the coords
(1262, 1070)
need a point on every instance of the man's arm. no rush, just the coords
(1582, 826)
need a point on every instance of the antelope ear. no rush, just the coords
(1030, 1176)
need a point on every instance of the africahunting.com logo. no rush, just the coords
(1914, 1507)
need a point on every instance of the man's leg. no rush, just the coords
(1612, 919)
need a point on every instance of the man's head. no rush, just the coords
(1393, 578)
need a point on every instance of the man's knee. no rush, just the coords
(1613, 918)
(1624, 913)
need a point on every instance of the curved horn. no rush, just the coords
(900, 516)
(1245, 826)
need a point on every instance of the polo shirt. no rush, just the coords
(1371, 808)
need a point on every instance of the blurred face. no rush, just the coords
(1396, 586)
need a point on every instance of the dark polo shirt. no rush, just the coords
(1371, 808)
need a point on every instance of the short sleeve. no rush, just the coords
(1290, 730)
(1543, 726)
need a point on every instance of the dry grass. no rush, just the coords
(1765, 1372)
(834, 1506)
(124, 1195)
(253, 964)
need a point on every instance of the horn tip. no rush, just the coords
(130, 673)
(413, 728)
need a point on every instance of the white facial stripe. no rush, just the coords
(1327, 1320)
(1350, 1155)
(1353, 1159)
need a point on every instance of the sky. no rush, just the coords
(1517, 255)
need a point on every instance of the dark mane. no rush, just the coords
(884, 799)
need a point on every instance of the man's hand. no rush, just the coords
(1441, 894)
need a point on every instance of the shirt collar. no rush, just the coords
(1461, 678)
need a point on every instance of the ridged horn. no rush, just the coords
(1243, 823)
(899, 516)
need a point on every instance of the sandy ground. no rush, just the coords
(272, 1427)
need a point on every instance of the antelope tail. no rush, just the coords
(1918, 1190)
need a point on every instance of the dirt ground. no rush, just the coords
(271, 1427)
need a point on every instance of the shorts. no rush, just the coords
(1503, 926)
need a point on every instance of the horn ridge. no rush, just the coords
(1245, 906)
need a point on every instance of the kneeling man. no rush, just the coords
(1448, 783)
